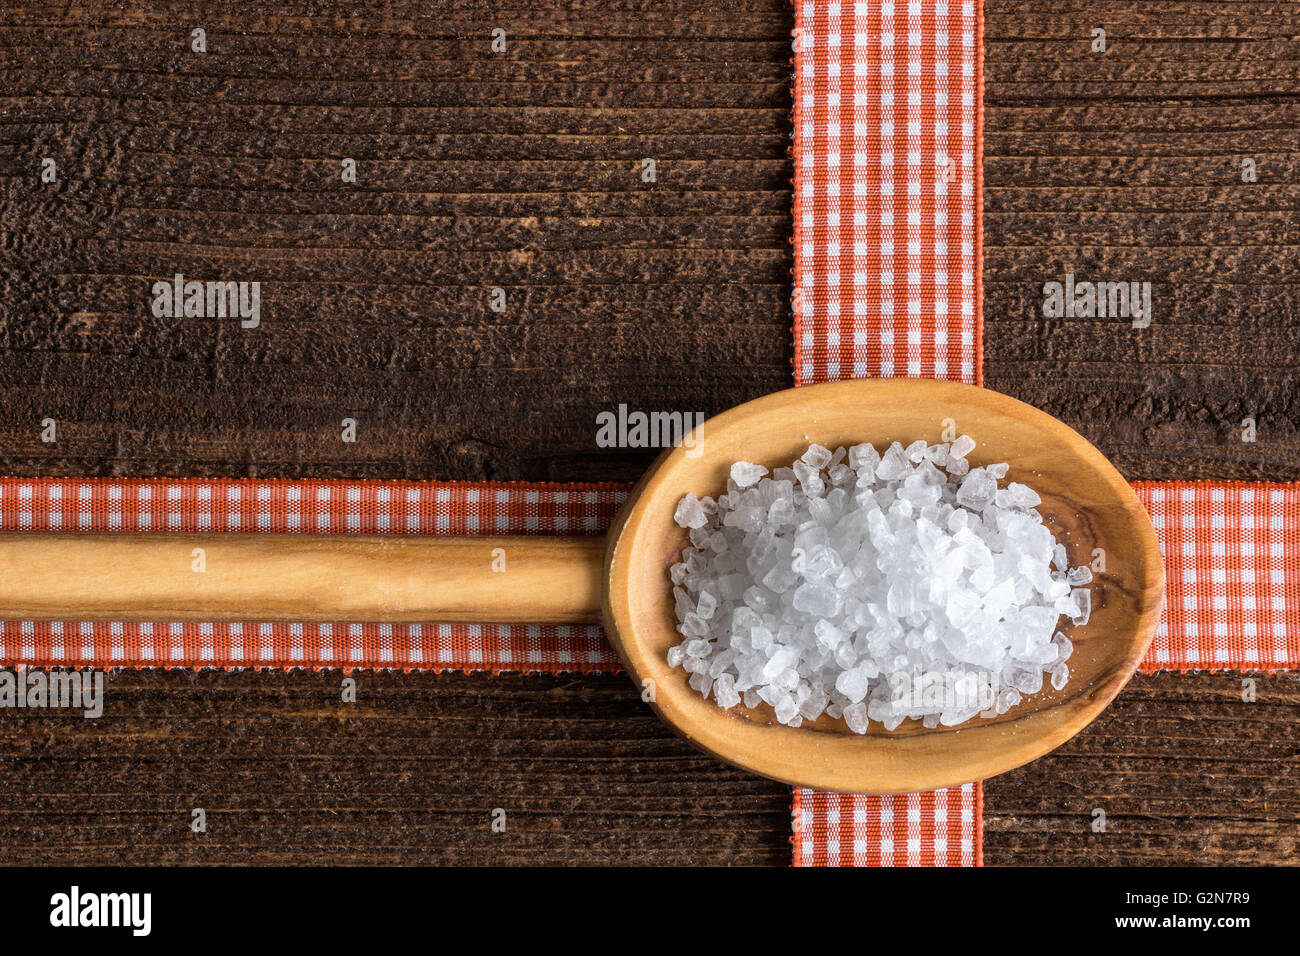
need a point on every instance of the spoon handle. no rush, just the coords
(295, 577)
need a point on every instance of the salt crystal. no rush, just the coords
(786, 709)
(697, 648)
(817, 457)
(724, 692)
(745, 473)
(864, 458)
(693, 625)
(1016, 495)
(855, 715)
(780, 579)
(829, 636)
(690, 514)
(853, 684)
(1007, 698)
(708, 604)
(894, 465)
(817, 600)
(781, 512)
(1082, 597)
(1029, 680)
(937, 455)
(787, 680)
(962, 447)
(1060, 674)
(976, 491)
(813, 705)
(1060, 560)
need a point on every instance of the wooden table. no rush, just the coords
(522, 170)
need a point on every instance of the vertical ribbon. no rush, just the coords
(887, 201)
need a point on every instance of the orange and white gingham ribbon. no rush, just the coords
(317, 507)
(887, 125)
(1232, 569)
(940, 828)
(887, 120)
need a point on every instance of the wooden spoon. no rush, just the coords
(624, 579)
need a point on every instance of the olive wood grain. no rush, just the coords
(292, 577)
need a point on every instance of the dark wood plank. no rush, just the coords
(1184, 769)
(411, 773)
(521, 170)
(1124, 165)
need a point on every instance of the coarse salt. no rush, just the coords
(874, 587)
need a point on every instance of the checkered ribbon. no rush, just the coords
(1232, 567)
(321, 507)
(910, 829)
(887, 126)
(887, 143)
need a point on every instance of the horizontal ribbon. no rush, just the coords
(320, 507)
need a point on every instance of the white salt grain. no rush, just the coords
(689, 513)
(744, 473)
(869, 586)
(724, 692)
(1060, 674)
(962, 447)
(817, 457)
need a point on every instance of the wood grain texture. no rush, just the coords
(381, 578)
(1186, 771)
(519, 170)
(1126, 166)
(522, 171)
(408, 774)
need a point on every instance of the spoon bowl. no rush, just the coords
(1087, 504)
